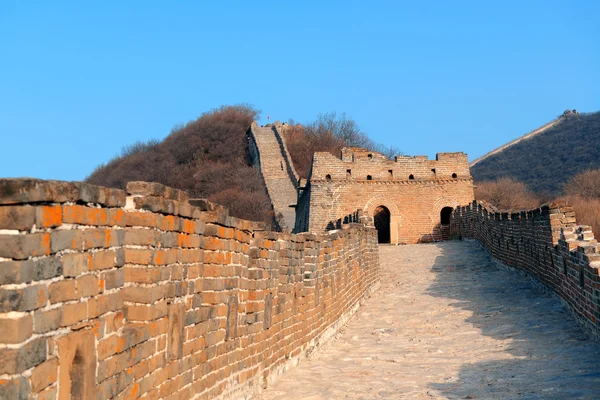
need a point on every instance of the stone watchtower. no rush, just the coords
(409, 198)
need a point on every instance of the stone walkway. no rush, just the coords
(448, 324)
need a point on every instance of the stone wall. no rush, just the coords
(414, 190)
(108, 294)
(546, 243)
(268, 150)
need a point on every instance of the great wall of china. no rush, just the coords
(145, 293)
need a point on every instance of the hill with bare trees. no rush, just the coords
(545, 159)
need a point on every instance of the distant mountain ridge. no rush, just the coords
(545, 158)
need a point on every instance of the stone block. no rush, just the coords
(77, 373)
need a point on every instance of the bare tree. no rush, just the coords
(586, 185)
(506, 194)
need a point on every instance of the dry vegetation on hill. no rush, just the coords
(329, 132)
(546, 162)
(206, 157)
(582, 191)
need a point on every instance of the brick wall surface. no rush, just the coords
(108, 294)
(546, 243)
(413, 189)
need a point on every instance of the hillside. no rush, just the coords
(208, 158)
(547, 157)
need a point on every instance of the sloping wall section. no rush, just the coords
(107, 294)
(268, 151)
(546, 243)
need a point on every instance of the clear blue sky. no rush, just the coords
(78, 80)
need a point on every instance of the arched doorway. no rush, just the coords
(445, 215)
(381, 217)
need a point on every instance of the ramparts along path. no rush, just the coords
(448, 323)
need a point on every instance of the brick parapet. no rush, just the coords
(546, 243)
(144, 293)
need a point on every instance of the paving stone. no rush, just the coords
(447, 323)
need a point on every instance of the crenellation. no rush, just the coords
(412, 192)
(145, 293)
(546, 243)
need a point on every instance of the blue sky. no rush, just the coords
(79, 80)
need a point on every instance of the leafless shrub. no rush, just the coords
(586, 184)
(506, 194)
(329, 132)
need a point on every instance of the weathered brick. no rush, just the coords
(44, 375)
(20, 247)
(15, 389)
(73, 313)
(63, 291)
(47, 320)
(145, 295)
(15, 328)
(27, 190)
(15, 361)
(103, 260)
(75, 264)
(104, 303)
(23, 299)
(138, 256)
(112, 279)
(140, 237)
(87, 285)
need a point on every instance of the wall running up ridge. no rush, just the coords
(107, 294)
(269, 152)
(546, 243)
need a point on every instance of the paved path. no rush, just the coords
(448, 324)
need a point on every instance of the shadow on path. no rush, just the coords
(541, 353)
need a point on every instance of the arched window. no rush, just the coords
(445, 215)
(369, 178)
(411, 177)
(327, 177)
(454, 176)
(370, 156)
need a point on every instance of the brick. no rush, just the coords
(66, 240)
(73, 313)
(140, 188)
(47, 320)
(14, 389)
(145, 295)
(21, 217)
(140, 312)
(105, 303)
(44, 375)
(140, 237)
(100, 195)
(15, 328)
(138, 218)
(76, 264)
(27, 190)
(138, 256)
(15, 361)
(87, 285)
(63, 291)
(21, 247)
(15, 272)
(113, 279)
(23, 299)
(103, 260)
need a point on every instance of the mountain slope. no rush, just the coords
(546, 158)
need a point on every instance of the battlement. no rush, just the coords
(358, 164)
